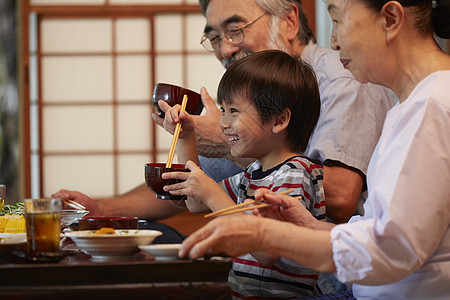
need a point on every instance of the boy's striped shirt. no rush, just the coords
(286, 279)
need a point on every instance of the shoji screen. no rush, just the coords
(92, 73)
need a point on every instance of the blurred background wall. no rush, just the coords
(9, 101)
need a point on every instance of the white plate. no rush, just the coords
(162, 251)
(13, 238)
(10, 242)
(122, 244)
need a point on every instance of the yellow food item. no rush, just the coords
(105, 230)
(12, 224)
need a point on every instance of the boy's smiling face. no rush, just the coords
(241, 124)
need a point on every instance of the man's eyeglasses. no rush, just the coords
(235, 36)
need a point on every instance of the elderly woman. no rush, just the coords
(400, 248)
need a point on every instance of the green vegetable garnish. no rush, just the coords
(18, 208)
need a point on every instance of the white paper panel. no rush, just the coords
(71, 78)
(91, 175)
(169, 69)
(204, 70)
(133, 77)
(76, 128)
(162, 158)
(76, 35)
(129, 2)
(131, 171)
(132, 35)
(194, 31)
(67, 2)
(164, 139)
(134, 127)
(168, 32)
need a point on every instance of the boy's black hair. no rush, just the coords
(273, 81)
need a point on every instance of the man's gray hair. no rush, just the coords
(280, 8)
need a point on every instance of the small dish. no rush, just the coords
(162, 251)
(120, 245)
(69, 216)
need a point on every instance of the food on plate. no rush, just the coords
(18, 208)
(12, 224)
(105, 230)
(12, 219)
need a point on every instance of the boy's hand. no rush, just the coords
(173, 116)
(196, 184)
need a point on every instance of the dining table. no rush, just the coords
(77, 276)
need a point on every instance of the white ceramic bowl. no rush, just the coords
(162, 251)
(120, 245)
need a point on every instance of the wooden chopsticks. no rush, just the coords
(176, 134)
(74, 204)
(242, 207)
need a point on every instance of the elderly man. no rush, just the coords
(351, 120)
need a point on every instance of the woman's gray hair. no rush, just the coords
(279, 9)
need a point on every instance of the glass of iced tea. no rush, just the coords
(43, 223)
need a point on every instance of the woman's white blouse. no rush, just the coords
(400, 248)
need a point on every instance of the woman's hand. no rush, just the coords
(232, 236)
(284, 208)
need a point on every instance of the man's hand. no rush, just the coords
(211, 142)
(90, 204)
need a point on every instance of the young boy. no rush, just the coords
(270, 105)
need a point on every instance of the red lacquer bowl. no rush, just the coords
(155, 183)
(95, 223)
(173, 94)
